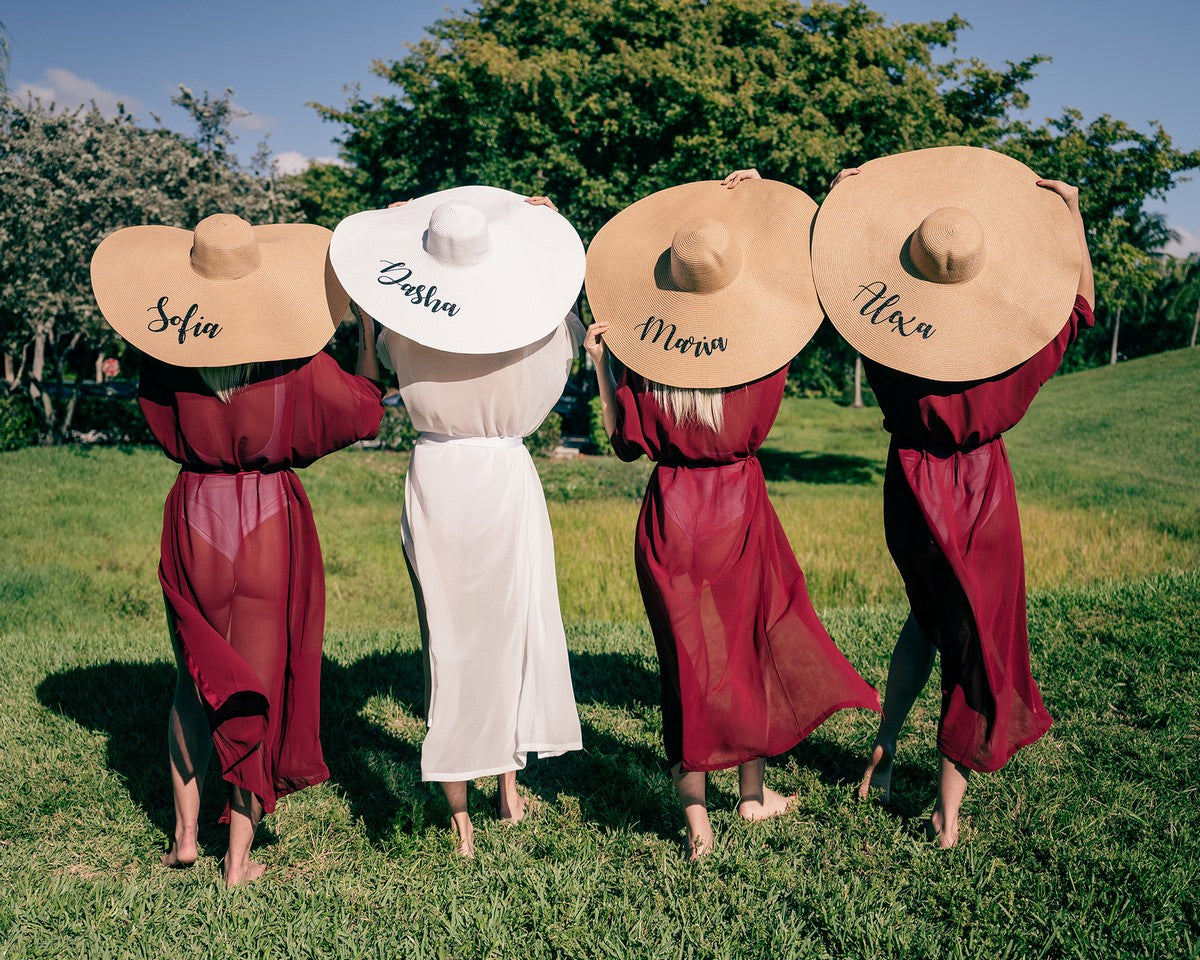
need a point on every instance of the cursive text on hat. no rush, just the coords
(905, 326)
(185, 323)
(396, 275)
(702, 347)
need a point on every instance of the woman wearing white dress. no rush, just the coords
(472, 285)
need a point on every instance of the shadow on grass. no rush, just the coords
(619, 783)
(835, 468)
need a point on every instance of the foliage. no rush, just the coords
(598, 442)
(600, 102)
(18, 423)
(396, 431)
(546, 438)
(110, 420)
(67, 179)
(327, 193)
(1117, 169)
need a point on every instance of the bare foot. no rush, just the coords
(242, 873)
(878, 775)
(513, 807)
(699, 843)
(465, 831)
(772, 805)
(183, 851)
(946, 834)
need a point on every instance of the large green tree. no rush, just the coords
(600, 102)
(67, 179)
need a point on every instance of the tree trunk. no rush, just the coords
(41, 400)
(100, 363)
(1196, 325)
(858, 372)
(1116, 333)
(10, 372)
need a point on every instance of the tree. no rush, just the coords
(67, 179)
(600, 102)
(1117, 169)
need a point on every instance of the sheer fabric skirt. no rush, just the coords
(480, 550)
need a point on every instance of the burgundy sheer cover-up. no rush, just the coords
(951, 522)
(747, 669)
(241, 566)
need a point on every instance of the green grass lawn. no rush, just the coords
(1085, 845)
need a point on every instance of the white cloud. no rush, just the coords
(292, 161)
(1187, 244)
(65, 89)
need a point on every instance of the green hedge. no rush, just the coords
(111, 420)
(18, 423)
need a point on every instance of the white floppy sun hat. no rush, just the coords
(473, 269)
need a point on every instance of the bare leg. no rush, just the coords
(758, 801)
(512, 804)
(912, 662)
(690, 785)
(245, 812)
(456, 796)
(189, 744)
(944, 820)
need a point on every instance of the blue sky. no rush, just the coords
(1135, 61)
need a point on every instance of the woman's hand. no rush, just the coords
(540, 201)
(738, 176)
(396, 203)
(847, 172)
(593, 343)
(1069, 193)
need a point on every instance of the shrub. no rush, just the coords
(396, 431)
(598, 441)
(546, 438)
(110, 420)
(18, 425)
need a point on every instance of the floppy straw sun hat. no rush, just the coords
(223, 294)
(473, 269)
(703, 286)
(949, 263)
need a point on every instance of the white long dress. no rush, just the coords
(478, 541)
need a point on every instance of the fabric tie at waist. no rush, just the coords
(471, 441)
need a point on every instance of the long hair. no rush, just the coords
(698, 405)
(226, 381)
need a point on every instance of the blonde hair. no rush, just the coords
(698, 405)
(226, 381)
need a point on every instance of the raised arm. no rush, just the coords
(593, 343)
(368, 361)
(1070, 196)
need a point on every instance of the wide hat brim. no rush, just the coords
(952, 332)
(746, 330)
(526, 282)
(287, 307)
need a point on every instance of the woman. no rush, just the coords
(237, 391)
(698, 292)
(952, 271)
(473, 285)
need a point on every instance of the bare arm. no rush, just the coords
(593, 343)
(1070, 195)
(368, 362)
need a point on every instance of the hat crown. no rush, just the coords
(224, 248)
(948, 246)
(457, 234)
(705, 257)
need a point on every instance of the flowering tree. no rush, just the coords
(67, 179)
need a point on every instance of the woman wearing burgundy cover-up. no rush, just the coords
(236, 392)
(747, 669)
(994, 262)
